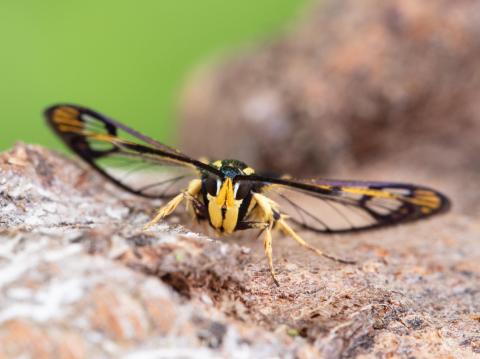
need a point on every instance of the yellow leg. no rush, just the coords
(165, 210)
(267, 217)
(267, 209)
(291, 233)
(193, 189)
(267, 244)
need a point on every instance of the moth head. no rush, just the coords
(226, 189)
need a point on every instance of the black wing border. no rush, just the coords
(111, 125)
(334, 192)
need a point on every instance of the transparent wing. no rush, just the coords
(130, 160)
(347, 206)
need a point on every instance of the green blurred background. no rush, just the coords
(126, 59)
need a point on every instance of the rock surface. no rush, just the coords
(79, 279)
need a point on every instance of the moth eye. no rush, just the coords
(210, 184)
(242, 190)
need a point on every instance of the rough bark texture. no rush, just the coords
(79, 279)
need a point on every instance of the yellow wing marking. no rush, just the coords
(425, 199)
(69, 128)
(428, 200)
(66, 112)
(370, 192)
(66, 116)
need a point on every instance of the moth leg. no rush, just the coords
(265, 227)
(285, 228)
(269, 215)
(193, 190)
(270, 210)
(267, 245)
(195, 207)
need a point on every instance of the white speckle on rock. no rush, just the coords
(64, 291)
(246, 250)
(49, 303)
(45, 193)
(50, 207)
(20, 293)
(33, 221)
(151, 287)
(20, 190)
(7, 246)
(167, 239)
(109, 346)
(20, 263)
(9, 208)
(55, 255)
(224, 249)
(118, 247)
(116, 212)
(174, 351)
(205, 298)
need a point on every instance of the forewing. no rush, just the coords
(348, 206)
(127, 158)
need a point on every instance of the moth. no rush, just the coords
(229, 194)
